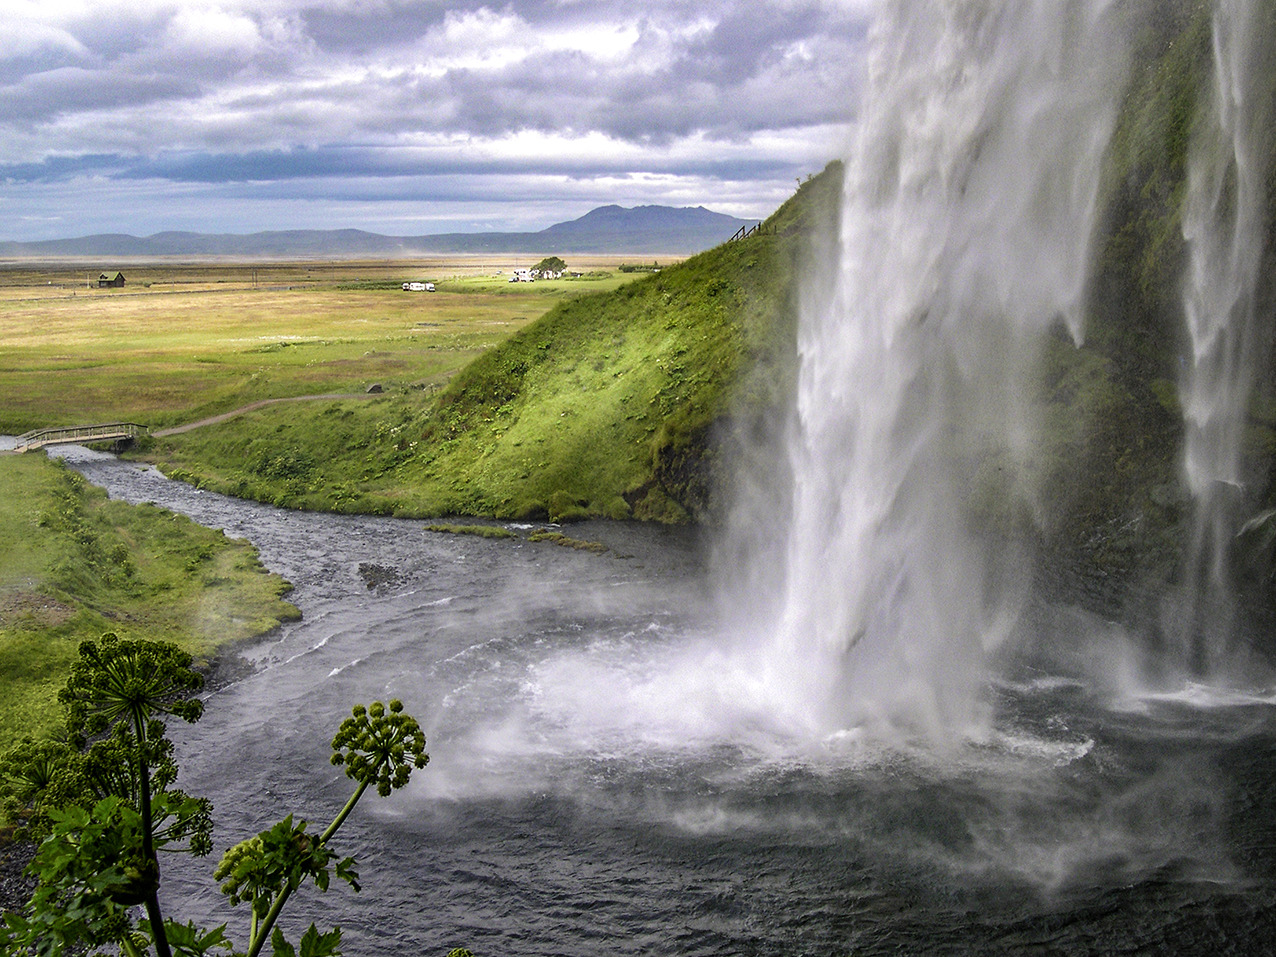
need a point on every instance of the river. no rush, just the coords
(589, 793)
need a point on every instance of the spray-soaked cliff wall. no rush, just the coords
(1125, 507)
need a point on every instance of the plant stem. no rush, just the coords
(259, 940)
(343, 813)
(148, 842)
(259, 935)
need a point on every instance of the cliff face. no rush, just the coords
(1115, 442)
(1122, 510)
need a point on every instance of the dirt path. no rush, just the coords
(214, 419)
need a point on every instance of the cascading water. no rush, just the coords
(1224, 224)
(969, 205)
(609, 774)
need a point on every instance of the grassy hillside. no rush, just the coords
(619, 404)
(74, 564)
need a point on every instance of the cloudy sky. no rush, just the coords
(412, 116)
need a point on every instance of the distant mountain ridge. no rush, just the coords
(615, 230)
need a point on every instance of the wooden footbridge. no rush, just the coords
(78, 434)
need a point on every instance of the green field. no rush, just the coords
(180, 342)
(74, 564)
(617, 393)
(183, 341)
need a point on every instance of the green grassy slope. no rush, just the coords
(74, 564)
(615, 404)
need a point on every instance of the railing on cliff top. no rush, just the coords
(744, 232)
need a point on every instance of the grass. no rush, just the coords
(481, 531)
(558, 538)
(74, 564)
(618, 404)
(184, 341)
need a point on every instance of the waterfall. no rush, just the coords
(969, 205)
(1224, 224)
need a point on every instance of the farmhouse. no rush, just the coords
(107, 282)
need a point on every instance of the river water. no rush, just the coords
(597, 785)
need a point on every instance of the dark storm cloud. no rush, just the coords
(43, 97)
(349, 163)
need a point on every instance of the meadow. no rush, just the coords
(185, 340)
(180, 342)
(612, 404)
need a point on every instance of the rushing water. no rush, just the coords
(970, 200)
(620, 768)
(586, 795)
(1225, 220)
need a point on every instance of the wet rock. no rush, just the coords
(379, 576)
(15, 886)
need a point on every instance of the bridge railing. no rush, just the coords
(102, 432)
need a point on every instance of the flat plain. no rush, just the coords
(184, 340)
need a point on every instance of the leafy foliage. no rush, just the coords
(106, 807)
(257, 870)
(550, 264)
(89, 876)
(313, 944)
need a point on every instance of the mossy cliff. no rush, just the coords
(1114, 442)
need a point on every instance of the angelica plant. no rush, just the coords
(377, 745)
(105, 804)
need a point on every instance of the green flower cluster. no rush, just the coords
(380, 745)
(257, 870)
(118, 679)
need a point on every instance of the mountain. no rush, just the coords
(642, 230)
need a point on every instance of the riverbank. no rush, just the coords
(75, 564)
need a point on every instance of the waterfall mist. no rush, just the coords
(969, 205)
(1228, 336)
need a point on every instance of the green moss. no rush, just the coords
(558, 538)
(481, 531)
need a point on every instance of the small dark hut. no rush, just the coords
(108, 282)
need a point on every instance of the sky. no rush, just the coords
(410, 117)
